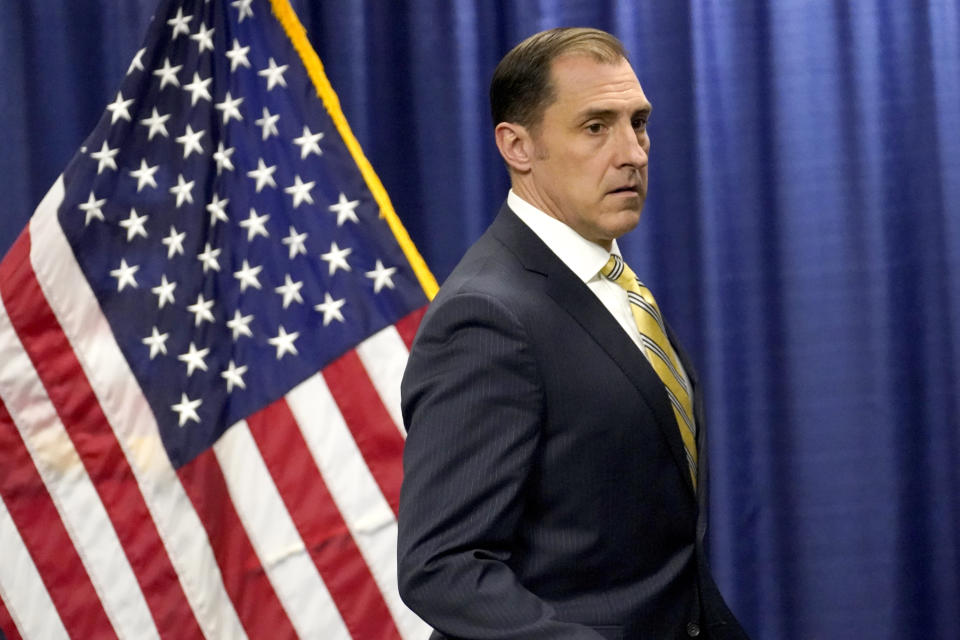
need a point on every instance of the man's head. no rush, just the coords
(570, 122)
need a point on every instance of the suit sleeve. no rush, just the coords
(473, 407)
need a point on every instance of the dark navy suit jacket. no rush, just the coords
(546, 494)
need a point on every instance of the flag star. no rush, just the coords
(137, 62)
(300, 191)
(156, 124)
(174, 242)
(191, 140)
(144, 174)
(337, 258)
(330, 309)
(268, 123)
(238, 56)
(243, 8)
(198, 89)
(179, 23)
(135, 225)
(187, 409)
(222, 157)
(381, 276)
(119, 108)
(274, 74)
(209, 258)
(194, 358)
(168, 74)
(290, 291)
(263, 174)
(296, 242)
(164, 291)
(201, 310)
(248, 276)
(283, 341)
(105, 157)
(230, 108)
(240, 324)
(204, 37)
(92, 207)
(183, 190)
(308, 143)
(234, 376)
(216, 209)
(345, 210)
(124, 275)
(157, 342)
(256, 225)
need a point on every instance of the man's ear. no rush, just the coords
(515, 145)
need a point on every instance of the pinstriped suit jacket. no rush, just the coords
(546, 493)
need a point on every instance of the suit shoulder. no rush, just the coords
(488, 288)
(488, 268)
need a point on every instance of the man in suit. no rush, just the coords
(555, 465)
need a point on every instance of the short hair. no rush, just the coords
(521, 88)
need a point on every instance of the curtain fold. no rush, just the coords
(802, 235)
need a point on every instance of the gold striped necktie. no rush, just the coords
(659, 352)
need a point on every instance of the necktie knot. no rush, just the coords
(618, 271)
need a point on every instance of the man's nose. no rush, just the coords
(630, 147)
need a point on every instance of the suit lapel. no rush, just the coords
(582, 305)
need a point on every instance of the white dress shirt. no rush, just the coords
(585, 259)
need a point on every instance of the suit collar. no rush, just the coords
(574, 297)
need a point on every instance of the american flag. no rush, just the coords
(202, 333)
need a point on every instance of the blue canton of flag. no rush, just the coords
(223, 225)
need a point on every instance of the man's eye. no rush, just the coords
(640, 124)
(595, 127)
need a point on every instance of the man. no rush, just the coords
(555, 475)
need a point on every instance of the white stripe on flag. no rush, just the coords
(282, 554)
(384, 356)
(71, 489)
(22, 588)
(355, 492)
(123, 403)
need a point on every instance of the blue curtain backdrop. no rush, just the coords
(802, 233)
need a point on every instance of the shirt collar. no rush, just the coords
(583, 257)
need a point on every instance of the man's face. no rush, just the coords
(589, 166)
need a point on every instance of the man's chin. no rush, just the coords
(623, 221)
(628, 210)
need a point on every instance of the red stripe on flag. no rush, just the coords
(320, 524)
(76, 404)
(407, 326)
(35, 516)
(373, 429)
(7, 628)
(257, 605)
